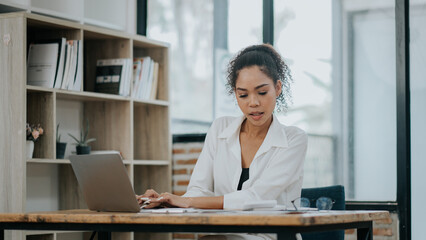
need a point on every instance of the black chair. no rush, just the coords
(337, 193)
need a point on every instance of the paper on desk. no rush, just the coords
(167, 210)
(302, 209)
(249, 205)
(275, 208)
(179, 210)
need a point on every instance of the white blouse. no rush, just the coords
(276, 171)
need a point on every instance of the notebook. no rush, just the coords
(105, 183)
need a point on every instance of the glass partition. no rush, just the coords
(418, 116)
(342, 57)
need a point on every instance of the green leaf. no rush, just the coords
(78, 141)
(58, 136)
(90, 140)
(86, 129)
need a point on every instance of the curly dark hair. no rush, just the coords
(270, 63)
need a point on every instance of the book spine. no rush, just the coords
(79, 72)
(60, 67)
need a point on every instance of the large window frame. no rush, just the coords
(402, 205)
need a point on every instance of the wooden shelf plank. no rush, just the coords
(48, 161)
(142, 41)
(42, 232)
(61, 161)
(88, 96)
(151, 102)
(76, 95)
(39, 89)
(32, 233)
(51, 22)
(151, 162)
(93, 96)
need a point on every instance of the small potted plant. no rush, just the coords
(82, 146)
(33, 133)
(60, 146)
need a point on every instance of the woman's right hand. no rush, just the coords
(149, 194)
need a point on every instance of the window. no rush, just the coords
(307, 49)
(188, 27)
(372, 130)
(418, 116)
(244, 28)
(198, 69)
(342, 56)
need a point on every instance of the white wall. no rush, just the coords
(42, 187)
(69, 115)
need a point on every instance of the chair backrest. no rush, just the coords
(335, 192)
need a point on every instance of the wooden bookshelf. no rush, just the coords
(139, 129)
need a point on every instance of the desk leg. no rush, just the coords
(103, 236)
(286, 236)
(365, 233)
(1, 234)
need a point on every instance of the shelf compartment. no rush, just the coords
(42, 187)
(102, 46)
(110, 124)
(70, 194)
(152, 177)
(68, 235)
(161, 56)
(153, 236)
(39, 30)
(40, 110)
(152, 139)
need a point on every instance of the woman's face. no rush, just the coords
(256, 95)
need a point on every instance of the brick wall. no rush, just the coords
(382, 230)
(185, 156)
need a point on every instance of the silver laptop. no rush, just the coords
(105, 183)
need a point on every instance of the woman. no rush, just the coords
(252, 157)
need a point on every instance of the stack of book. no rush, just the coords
(56, 64)
(145, 78)
(114, 76)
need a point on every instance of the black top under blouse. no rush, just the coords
(244, 177)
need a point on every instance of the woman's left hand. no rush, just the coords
(171, 200)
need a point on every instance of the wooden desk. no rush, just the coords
(282, 223)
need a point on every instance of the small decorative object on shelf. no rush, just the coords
(33, 133)
(60, 146)
(82, 147)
